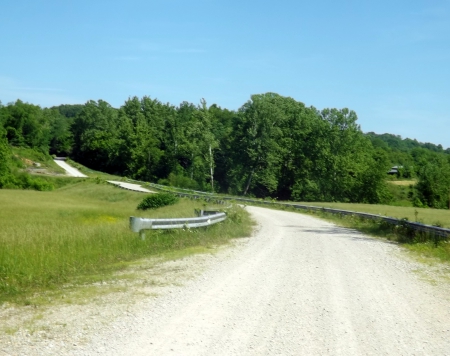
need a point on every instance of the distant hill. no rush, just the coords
(405, 145)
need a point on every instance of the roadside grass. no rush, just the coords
(437, 217)
(25, 155)
(79, 234)
(422, 246)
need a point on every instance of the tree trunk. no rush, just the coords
(211, 168)
(249, 181)
(192, 166)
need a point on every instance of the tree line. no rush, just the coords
(272, 146)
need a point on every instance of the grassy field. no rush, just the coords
(402, 182)
(79, 234)
(436, 217)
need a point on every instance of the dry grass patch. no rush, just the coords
(402, 182)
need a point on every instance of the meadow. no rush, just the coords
(80, 233)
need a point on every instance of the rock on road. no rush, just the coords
(299, 286)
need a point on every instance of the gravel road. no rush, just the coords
(299, 286)
(130, 186)
(70, 171)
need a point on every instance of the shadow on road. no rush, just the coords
(338, 232)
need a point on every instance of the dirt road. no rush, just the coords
(70, 171)
(300, 286)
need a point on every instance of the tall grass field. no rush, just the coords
(52, 238)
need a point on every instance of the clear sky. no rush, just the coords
(387, 60)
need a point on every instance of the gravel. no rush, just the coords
(299, 286)
(70, 171)
(130, 186)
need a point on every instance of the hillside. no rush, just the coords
(273, 146)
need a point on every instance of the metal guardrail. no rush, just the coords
(437, 231)
(141, 224)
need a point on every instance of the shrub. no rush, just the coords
(179, 181)
(156, 201)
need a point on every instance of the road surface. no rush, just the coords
(300, 286)
(130, 186)
(70, 171)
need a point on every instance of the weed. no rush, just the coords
(79, 234)
(156, 201)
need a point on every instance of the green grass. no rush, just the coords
(437, 217)
(440, 252)
(79, 234)
(25, 155)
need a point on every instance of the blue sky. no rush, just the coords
(387, 60)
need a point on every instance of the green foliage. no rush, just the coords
(428, 162)
(5, 159)
(156, 201)
(68, 110)
(179, 181)
(434, 184)
(23, 180)
(26, 125)
(273, 146)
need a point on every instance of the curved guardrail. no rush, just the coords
(141, 224)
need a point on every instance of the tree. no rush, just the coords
(5, 158)
(94, 130)
(26, 126)
(433, 186)
(257, 134)
(61, 140)
(206, 140)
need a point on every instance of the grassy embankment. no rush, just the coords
(436, 217)
(79, 234)
(422, 245)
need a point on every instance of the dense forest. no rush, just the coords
(273, 146)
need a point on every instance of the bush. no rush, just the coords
(179, 181)
(156, 201)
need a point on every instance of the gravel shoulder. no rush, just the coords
(298, 286)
